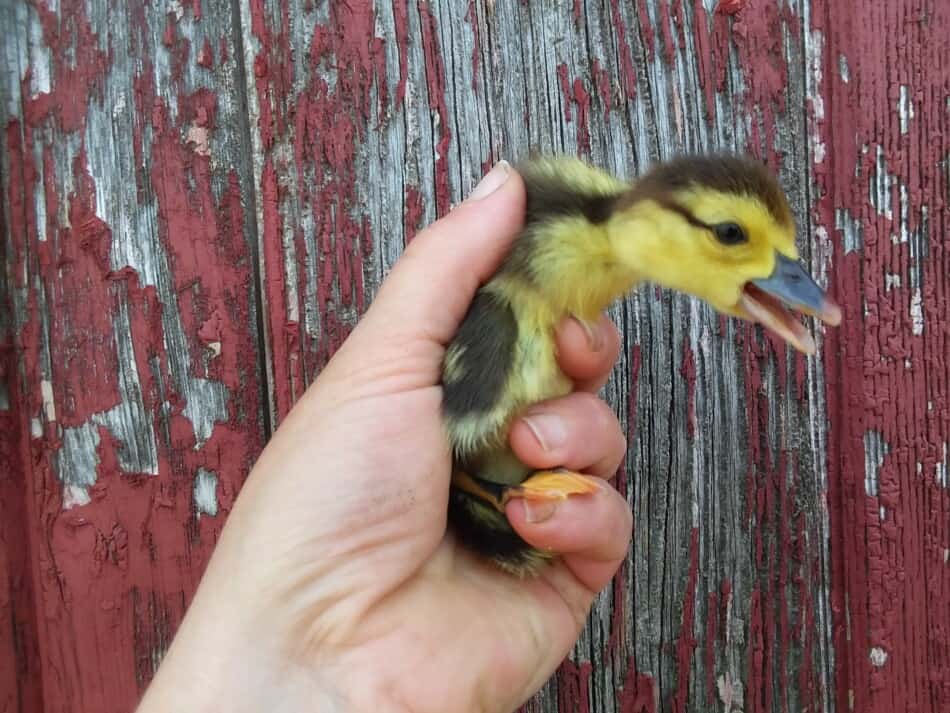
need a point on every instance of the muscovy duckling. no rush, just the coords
(715, 226)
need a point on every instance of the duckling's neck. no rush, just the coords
(571, 267)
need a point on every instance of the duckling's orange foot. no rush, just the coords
(552, 485)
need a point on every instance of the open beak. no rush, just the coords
(764, 301)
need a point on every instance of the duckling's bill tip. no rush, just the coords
(830, 313)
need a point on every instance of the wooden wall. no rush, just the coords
(200, 197)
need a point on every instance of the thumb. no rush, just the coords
(430, 287)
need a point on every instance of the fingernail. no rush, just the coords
(595, 335)
(536, 511)
(548, 428)
(492, 181)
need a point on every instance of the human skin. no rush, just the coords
(335, 586)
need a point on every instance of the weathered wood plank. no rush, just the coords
(389, 113)
(135, 386)
(882, 121)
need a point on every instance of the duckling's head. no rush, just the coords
(719, 227)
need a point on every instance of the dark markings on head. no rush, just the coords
(549, 195)
(481, 356)
(725, 173)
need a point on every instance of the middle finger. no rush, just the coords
(577, 431)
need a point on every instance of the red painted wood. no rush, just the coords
(891, 577)
(97, 577)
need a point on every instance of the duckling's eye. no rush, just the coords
(729, 233)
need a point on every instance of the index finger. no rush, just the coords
(587, 352)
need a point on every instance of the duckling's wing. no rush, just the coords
(476, 369)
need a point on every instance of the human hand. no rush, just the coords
(335, 583)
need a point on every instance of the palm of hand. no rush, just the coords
(427, 621)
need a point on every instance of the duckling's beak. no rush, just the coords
(789, 284)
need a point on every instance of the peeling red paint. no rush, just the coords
(565, 82)
(471, 16)
(686, 641)
(618, 610)
(435, 80)
(83, 620)
(712, 54)
(573, 687)
(729, 7)
(21, 685)
(758, 685)
(413, 212)
(602, 84)
(401, 21)
(646, 29)
(628, 75)
(582, 100)
(709, 643)
(575, 94)
(688, 372)
(79, 78)
(206, 55)
(889, 572)
(679, 19)
(890, 579)
(639, 693)
(578, 12)
(758, 38)
(168, 39)
(666, 32)
(324, 123)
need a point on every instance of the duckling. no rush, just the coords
(718, 227)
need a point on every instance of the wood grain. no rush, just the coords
(134, 364)
(200, 199)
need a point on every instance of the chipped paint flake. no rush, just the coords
(206, 493)
(875, 450)
(77, 463)
(905, 109)
(197, 138)
(730, 692)
(843, 70)
(878, 656)
(814, 58)
(880, 186)
(175, 8)
(41, 62)
(49, 405)
(75, 496)
(942, 468)
(917, 312)
(15, 53)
